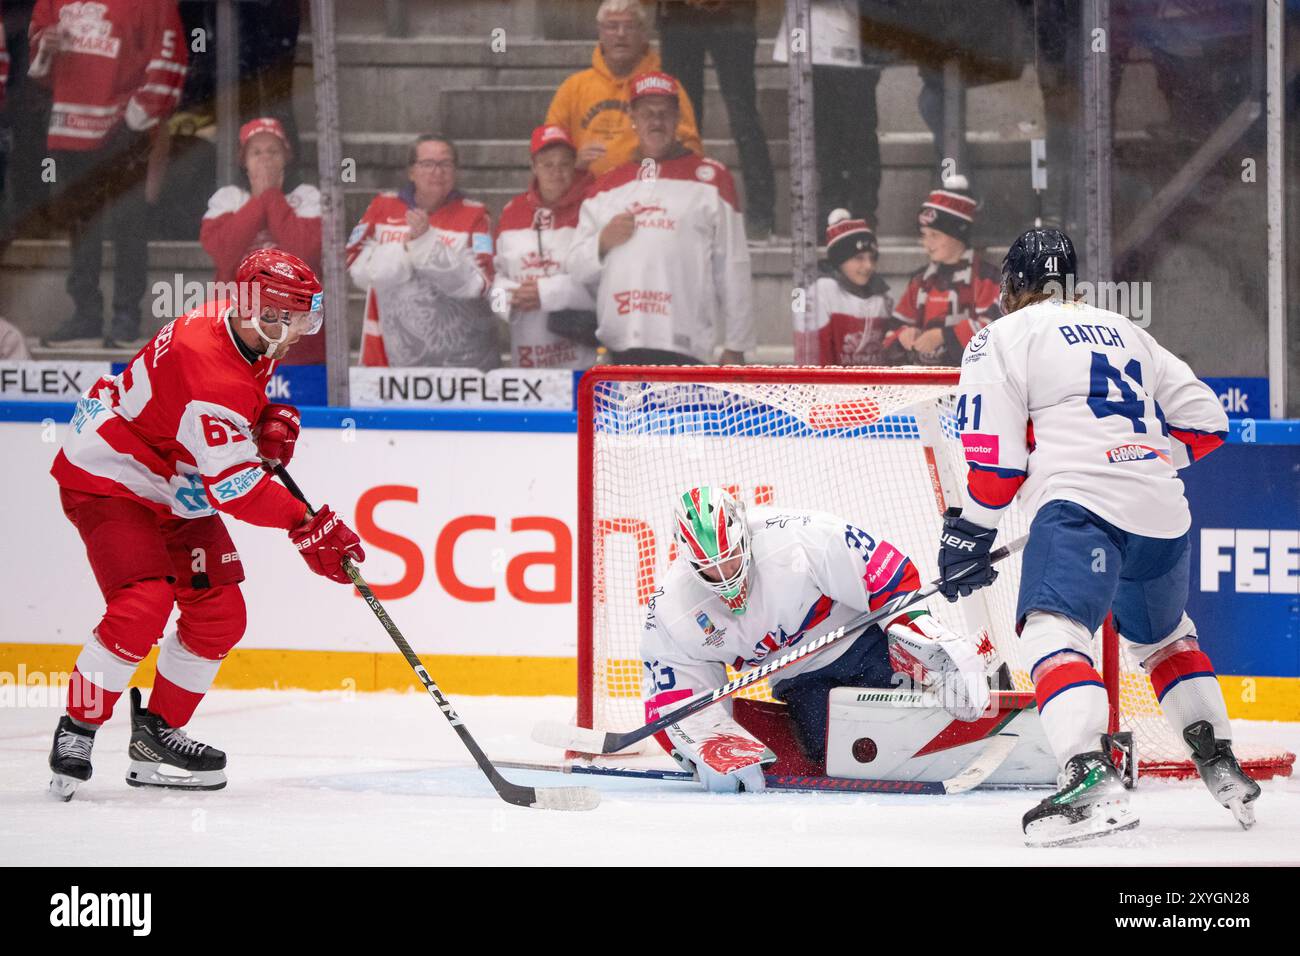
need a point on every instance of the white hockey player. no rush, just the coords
(1088, 419)
(746, 585)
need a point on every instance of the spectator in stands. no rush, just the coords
(424, 256)
(664, 242)
(13, 347)
(268, 40)
(592, 105)
(261, 213)
(115, 69)
(853, 323)
(552, 316)
(725, 30)
(845, 74)
(957, 294)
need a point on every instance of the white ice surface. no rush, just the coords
(381, 778)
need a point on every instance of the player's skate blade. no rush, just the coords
(1218, 766)
(147, 773)
(1091, 803)
(70, 758)
(165, 756)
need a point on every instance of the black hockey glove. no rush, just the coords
(964, 564)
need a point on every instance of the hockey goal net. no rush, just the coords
(877, 447)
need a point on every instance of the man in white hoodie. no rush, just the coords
(662, 238)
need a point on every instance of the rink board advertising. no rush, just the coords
(468, 520)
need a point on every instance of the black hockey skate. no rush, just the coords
(1092, 802)
(1219, 768)
(165, 756)
(70, 758)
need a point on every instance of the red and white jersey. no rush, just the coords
(173, 431)
(686, 267)
(532, 242)
(120, 60)
(809, 573)
(1063, 400)
(848, 327)
(237, 223)
(427, 300)
(960, 298)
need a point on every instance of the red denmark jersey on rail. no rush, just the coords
(117, 60)
(174, 429)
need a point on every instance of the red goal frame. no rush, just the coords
(1278, 763)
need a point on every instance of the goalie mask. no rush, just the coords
(713, 533)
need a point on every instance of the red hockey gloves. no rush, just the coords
(325, 542)
(964, 564)
(277, 432)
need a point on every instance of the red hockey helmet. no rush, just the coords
(275, 277)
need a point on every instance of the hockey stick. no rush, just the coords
(548, 798)
(589, 741)
(979, 769)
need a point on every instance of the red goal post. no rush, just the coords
(876, 446)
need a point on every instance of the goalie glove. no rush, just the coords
(724, 758)
(943, 662)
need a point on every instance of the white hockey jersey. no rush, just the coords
(684, 271)
(809, 573)
(532, 241)
(1061, 400)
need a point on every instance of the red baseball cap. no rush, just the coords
(653, 84)
(545, 136)
(263, 124)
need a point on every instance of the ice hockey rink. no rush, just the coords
(335, 779)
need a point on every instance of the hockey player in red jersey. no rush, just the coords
(153, 459)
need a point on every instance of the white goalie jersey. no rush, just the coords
(810, 572)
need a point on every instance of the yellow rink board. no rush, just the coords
(257, 668)
(1249, 698)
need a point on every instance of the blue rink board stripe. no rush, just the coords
(1266, 432)
(396, 419)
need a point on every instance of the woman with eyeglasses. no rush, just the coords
(424, 256)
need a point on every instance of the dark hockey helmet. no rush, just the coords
(1037, 257)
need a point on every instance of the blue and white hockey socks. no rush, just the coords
(1072, 702)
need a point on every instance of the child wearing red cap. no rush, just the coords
(957, 293)
(853, 323)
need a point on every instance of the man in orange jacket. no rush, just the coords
(592, 106)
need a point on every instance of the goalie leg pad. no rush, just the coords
(864, 664)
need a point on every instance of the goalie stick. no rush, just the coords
(590, 741)
(544, 798)
(980, 768)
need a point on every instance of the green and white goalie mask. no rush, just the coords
(714, 537)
